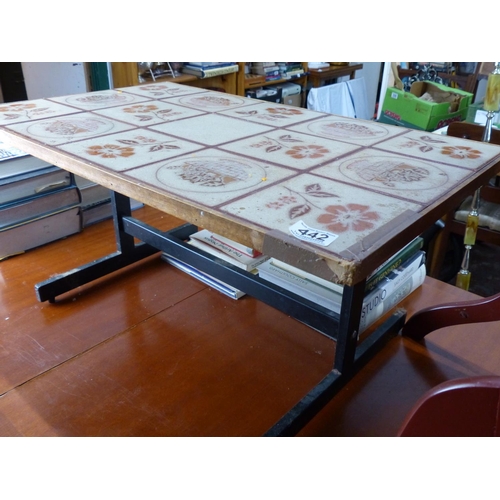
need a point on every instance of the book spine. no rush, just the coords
(211, 72)
(209, 237)
(386, 300)
(393, 263)
(223, 246)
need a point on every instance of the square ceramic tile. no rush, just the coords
(290, 149)
(362, 132)
(442, 149)
(402, 176)
(211, 102)
(22, 111)
(271, 113)
(162, 90)
(211, 129)
(99, 99)
(129, 149)
(349, 213)
(148, 113)
(209, 177)
(69, 128)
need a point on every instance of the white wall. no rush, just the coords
(53, 79)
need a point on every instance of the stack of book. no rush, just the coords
(209, 69)
(270, 70)
(224, 249)
(385, 287)
(39, 202)
(96, 202)
(290, 70)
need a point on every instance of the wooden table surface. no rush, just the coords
(258, 172)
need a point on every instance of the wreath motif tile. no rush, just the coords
(210, 178)
(68, 128)
(98, 100)
(162, 90)
(211, 102)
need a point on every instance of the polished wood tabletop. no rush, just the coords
(332, 195)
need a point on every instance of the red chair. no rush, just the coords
(468, 407)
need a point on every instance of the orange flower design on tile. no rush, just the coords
(16, 107)
(141, 108)
(352, 217)
(461, 152)
(284, 111)
(311, 151)
(111, 151)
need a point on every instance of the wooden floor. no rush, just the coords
(150, 351)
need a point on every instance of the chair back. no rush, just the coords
(468, 407)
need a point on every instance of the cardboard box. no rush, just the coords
(292, 94)
(409, 109)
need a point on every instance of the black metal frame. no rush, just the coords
(350, 355)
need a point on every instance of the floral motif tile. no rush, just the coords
(210, 178)
(15, 112)
(129, 149)
(211, 129)
(211, 102)
(442, 149)
(349, 213)
(401, 176)
(291, 149)
(68, 128)
(364, 133)
(100, 99)
(149, 113)
(272, 114)
(163, 90)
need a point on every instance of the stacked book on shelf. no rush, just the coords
(96, 202)
(209, 69)
(270, 70)
(224, 249)
(385, 287)
(39, 202)
(289, 70)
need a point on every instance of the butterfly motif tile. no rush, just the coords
(361, 132)
(129, 149)
(273, 114)
(68, 128)
(163, 90)
(149, 113)
(290, 149)
(15, 112)
(209, 178)
(100, 99)
(442, 149)
(399, 176)
(349, 213)
(210, 129)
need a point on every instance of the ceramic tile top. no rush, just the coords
(130, 149)
(149, 113)
(22, 111)
(269, 167)
(69, 128)
(99, 100)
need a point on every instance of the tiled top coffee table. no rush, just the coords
(332, 195)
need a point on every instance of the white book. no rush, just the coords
(243, 262)
(308, 289)
(231, 247)
(218, 285)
